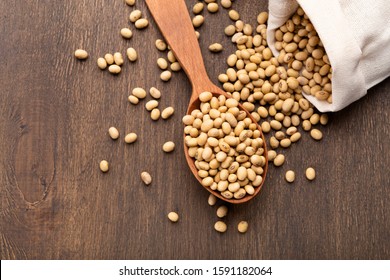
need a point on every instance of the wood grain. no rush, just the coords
(55, 112)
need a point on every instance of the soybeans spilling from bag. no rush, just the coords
(226, 145)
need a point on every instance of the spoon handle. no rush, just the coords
(175, 24)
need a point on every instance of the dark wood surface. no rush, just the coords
(55, 112)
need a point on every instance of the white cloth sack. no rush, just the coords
(356, 37)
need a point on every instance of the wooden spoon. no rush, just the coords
(175, 24)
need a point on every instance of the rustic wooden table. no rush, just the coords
(55, 112)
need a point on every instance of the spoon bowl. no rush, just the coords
(174, 22)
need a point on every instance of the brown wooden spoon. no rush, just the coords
(175, 24)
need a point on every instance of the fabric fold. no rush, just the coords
(338, 24)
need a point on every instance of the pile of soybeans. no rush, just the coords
(226, 144)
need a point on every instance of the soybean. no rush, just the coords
(234, 15)
(150, 105)
(316, 134)
(162, 63)
(198, 8)
(166, 76)
(113, 132)
(102, 63)
(290, 176)
(222, 211)
(310, 173)
(160, 45)
(155, 93)
(114, 69)
(279, 160)
(118, 58)
(131, 138)
(133, 100)
(242, 227)
(173, 217)
(126, 33)
(168, 146)
(131, 54)
(155, 114)
(212, 7)
(197, 21)
(212, 200)
(104, 166)
(138, 92)
(135, 15)
(167, 112)
(141, 23)
(109, 58)
(146, 178)
(216, 47)
(220, 226)
(130, 2)
(81, 54)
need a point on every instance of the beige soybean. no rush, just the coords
(146, 178)
(216, 47)
(103, 165)
(222, 211)
(295, 137)
(138, 92)
(220, 226)
(316, 134)
(135, 15)
(173, 217)
(113, 132)
(279, 160)
(155, 114)
(310, 173)
(151, 104)
(212, 200)
(130, 2)
(114, 69)
(262, 18)
(141, 23)
(205, 96)
(171, 57)
(212, 7)
(81, 54)
(242, 227)
(168, 146)
(197, 21)
(131, 54)
(167, 112)
(324, 119)
(271, 155)
(130, 138)
(306, 125)
(155, 93)
(102, 63)
(175, 66)
(226, 3)
(126, 33)
(160, 45)
(133, 100)
(285, 143)
(290, 176)
(230, 30)
(109, 58)
(197, 8)
(118, 58)
(166, 76)
(234, 15)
